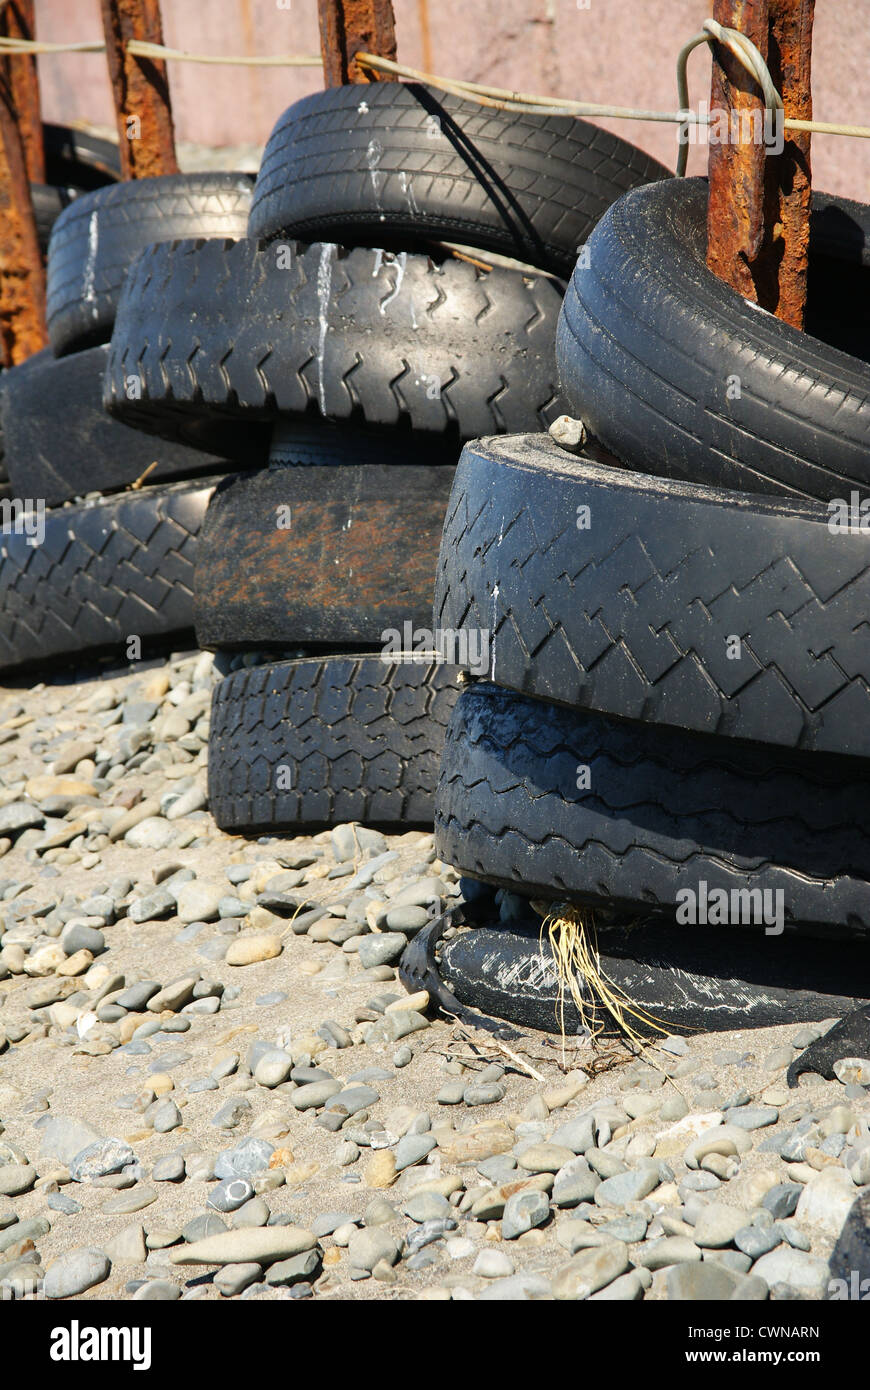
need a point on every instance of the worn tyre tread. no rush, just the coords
(219, 337)
(361, 740)
(119, 567)
(664, 810)
(410, 164)
(632, 616)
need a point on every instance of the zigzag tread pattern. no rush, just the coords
(103, 573)
(637, 615)
(507, 809)
(397, 341)
(324, 740)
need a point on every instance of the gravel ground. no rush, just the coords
(203, 1039)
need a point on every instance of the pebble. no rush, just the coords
(260, 1245)
(368, 1247)
(486, 1093)
(523, 1212)
(75, 1272)
(381, 948)
(169, 1169)
(590, 1271)
(97, 1159)
(801, 1271)
(247, 1158)
(251, 948)
(230, 1194)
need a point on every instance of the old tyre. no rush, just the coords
(96, 239)
(324, 740)
(103, 572)
(557, 804)
(213, 340)
(408, 165)
(320, 554)
(61, 444)
(680, 376)
(677, 979)
(657, 600)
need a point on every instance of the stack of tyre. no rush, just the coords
(678, 694)
(107, 548)
(396, 295)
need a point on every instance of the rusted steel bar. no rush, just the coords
(17, 22)
(348, 27)
(758, 215)
(140, 89)
(22, 279)
(789, 177)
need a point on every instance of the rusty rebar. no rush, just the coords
(348, 27)
(17, 22)
(22, 278)
(140, 89)
(758, 214)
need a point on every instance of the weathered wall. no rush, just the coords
(619, 51)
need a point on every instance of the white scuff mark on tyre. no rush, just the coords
(529, 972)
(400, 262)
(495, 593)
(324, 289)
(374, 150)
(90, 264)
(406, 184)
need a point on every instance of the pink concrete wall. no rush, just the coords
(619, 51)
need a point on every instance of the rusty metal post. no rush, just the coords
(758, 215)
(348, 27)
(17, 22)
(22, 279)
(140, 89)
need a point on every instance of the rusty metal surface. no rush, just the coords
(22, 278)
(140, 90)
(356, 554)
(758, 215)
(348, 27)
(17, 22)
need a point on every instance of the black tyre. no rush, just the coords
(61, 444)
(680, 376)
(320, 741)
(664, 811)
(77, 158)
(105, 571)
(399, 164)
(676, 980)
(94, 242)
(211, 337)
(319, 555)
(685, 605)
(75, 162)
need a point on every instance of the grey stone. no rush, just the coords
(230, 1194)
(169, 1169)
(256, 1212)
(152, 906)
(99, 1158)
(752, 1116)
(163, 1116)
(800, 1271)
(575, 1183)
(232, 1112)
(77, 937)
(712, 1281)
(75, 1272)
(58, 1201)
(157, 1291)
(413, 1148)
(407, 920)
(135, 997)
(632, 1186)
(19, 815)
(756, 1241)
(233, 1279)
(273, 1068)
(245, 1159)
(381, 948)
(16, 1178)
(576, 1135)
(314, 1095)
(522, 1212)
(302, 1268)
(486, 1093)
(781, 1200)
(427, 1206)
(125, 1203)
(201, 1227)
